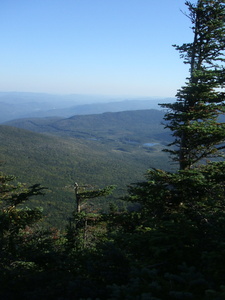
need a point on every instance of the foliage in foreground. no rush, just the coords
(172, 249)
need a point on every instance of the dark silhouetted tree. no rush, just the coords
(194, 117)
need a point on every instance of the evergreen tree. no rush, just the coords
(193, 118)
(77, 228)
(82, 195)
(182, 216)
(13, 216)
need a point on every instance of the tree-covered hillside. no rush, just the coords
(58, 162)
(142, 126)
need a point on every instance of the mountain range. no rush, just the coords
(14, 105)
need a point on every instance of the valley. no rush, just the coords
(98, 150)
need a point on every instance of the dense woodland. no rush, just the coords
(77, 151)
(171, 244)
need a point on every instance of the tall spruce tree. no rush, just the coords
(181, 222)
(193, 118)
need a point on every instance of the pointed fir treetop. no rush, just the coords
(193, 118)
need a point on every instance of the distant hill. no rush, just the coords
(98, 108)
(14, 105)
(140, 126)
(25, 105)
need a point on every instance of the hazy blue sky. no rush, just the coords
(111, 47)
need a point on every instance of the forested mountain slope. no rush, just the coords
(142, 126)
(57, 162)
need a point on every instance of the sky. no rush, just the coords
(101, 47)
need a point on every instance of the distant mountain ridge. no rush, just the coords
(26, 105)
(142, 126)
(98, 108)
